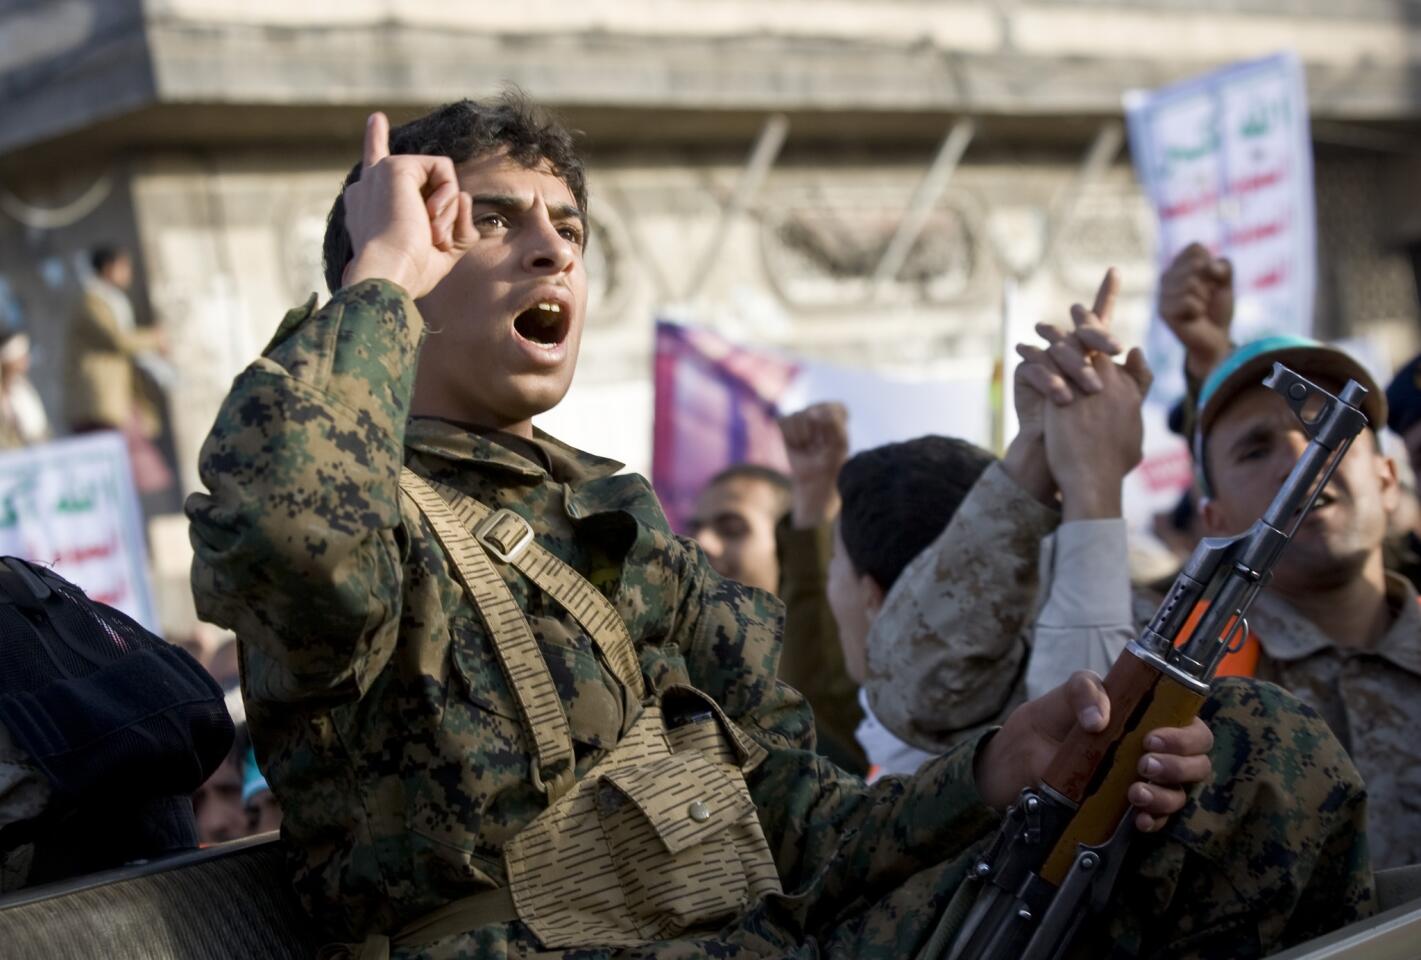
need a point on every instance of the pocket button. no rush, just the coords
(699, 811)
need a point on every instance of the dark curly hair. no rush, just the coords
(463, 131)
(777, 482)
(898, 498)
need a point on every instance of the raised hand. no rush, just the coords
(409, 222)
(1018, 755)
(1092, 429)
(1093, 442)
(817, 442)
(1196, 302)
(1064, 364)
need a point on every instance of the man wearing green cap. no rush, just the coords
(1334, 626)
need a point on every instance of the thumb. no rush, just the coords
(1090, 706)
(1139, 370)
(464, 233)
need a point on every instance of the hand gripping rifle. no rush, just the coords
(1060, 847)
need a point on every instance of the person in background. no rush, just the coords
(263, 810)
(744, 522)
(223, 663)
(109, 357)
(812, 658)
(735, 521)
(23, 421)
(897, 499)
(217, 804)
(1335, 625)
(1402, 549)
(1403, 400)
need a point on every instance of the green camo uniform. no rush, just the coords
(390, 736)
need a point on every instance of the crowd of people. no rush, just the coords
(1043, 582)
(116, 375)
(496, 707)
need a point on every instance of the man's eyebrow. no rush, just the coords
(499, 201)
(1257, 433)
(567, 211)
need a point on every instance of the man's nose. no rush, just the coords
(548, 251)
(1294, 442)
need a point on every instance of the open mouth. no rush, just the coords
(543, 323)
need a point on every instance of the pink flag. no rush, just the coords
(716, 405)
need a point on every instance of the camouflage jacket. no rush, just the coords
(384, 723)
(947, 652)
(1371, 698)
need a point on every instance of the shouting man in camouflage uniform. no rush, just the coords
(508, 713)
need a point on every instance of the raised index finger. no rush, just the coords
(377, 140)
(1105, 296)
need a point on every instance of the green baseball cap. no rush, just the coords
(1251, 362)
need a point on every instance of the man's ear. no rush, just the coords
(1390, 484)
(1213, 518)
(870, 596)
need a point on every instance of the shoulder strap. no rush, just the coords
(533, 688)
(508, 537)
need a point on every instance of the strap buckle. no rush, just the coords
(505, 534)
(554, 786)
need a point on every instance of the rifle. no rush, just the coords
(1058, 853)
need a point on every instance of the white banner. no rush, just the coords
(1226, 159)
(71, 504)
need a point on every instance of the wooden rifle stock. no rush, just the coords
(1094, 770)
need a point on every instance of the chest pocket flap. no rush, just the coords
(686, 799)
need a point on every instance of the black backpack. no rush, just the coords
(124, 725)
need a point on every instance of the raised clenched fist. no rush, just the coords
(1196, 302)
(817, 442)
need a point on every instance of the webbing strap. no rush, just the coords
(509, 537)
(461, 916)
(533, 688)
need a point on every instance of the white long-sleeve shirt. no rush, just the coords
(1085, 618)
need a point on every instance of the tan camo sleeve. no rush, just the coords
(947, 652)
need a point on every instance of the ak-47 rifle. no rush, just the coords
(1059, 850)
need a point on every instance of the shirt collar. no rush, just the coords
(457, 443)
(1402, 643)
(1286, 634)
